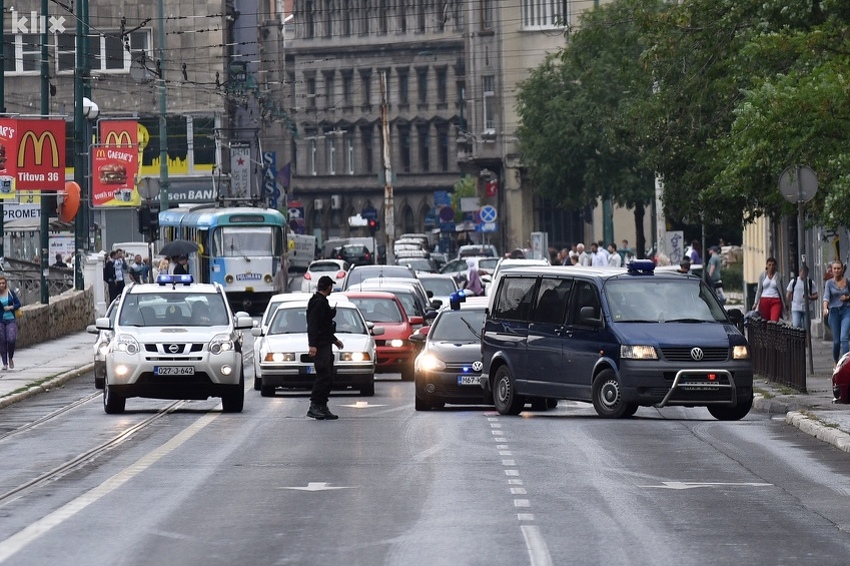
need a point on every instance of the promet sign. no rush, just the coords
(32, 155)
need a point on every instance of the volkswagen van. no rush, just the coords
(617, 338)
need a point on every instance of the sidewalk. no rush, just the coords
(45, 366)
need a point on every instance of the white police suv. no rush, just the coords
(174, 339)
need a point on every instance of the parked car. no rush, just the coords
(355, 254)
(174, 339)
(841, 380)
(395, 352)
(284, 360)
(619, 339)
(360, 273)
(333, 268)
(448, 369)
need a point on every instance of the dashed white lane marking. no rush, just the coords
(511, 472)
(19, 540)
(522, 503)
(525, 516)
(509, 462)
(518, 491)
(538, 552)
(505, 453)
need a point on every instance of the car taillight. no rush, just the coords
(307, 275)
(483, 272)
(368, 255)
(340, 275)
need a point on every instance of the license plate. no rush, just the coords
(173, 370)
(467, 379)
(311, 370)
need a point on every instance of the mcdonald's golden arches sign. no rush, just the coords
(32, 155)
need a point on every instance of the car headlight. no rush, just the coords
(396, 343)
(429, 362)
(221, 343)
(638, 352)
(127, 344)
(354, 357)
(279, 357)
(740, 352)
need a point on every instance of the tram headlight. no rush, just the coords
(228, 279)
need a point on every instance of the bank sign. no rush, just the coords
(32, 155)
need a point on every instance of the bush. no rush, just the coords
(733, 277)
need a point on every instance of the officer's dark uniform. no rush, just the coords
(320, 334)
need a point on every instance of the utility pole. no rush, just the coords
(80, 147)
(45, 111)
(389, 212)
(163, 113)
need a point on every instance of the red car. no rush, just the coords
(841, 380)
(395, 351)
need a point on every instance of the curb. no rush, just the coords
(816, 428)
(55, 381)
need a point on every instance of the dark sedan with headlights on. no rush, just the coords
(449, 367)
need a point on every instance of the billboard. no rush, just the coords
(32, 155)
(115, 165)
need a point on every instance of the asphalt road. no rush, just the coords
(184, 483)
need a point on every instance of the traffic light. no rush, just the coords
(149, 222)
(373, 226)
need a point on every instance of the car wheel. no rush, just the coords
(112, 404)
(551, 403)
(539, 404)
(505, 397)
(258, 382)
(98, 382)
(421, 404)
(631, 409)
(407, 373)
(368, 390)
(234, 400)
(608, 396)
(735, 413)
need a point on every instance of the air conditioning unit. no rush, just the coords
(318, 204)
(336, 202)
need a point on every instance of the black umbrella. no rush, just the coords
(178, 247)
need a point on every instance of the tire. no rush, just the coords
(258, 383)
(98, 382)
(421, 404)
(543, 404)
(551, 403)
(505, 397)
(112, 404)
(407, 373)
(368, 390)
(267, 391)
(608, 396)
(234, 399)
(631, 409)
(735, 413)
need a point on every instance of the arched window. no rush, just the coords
(407, 223)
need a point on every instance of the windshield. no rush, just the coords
(488, 264)
(173, 309)
(324, 267)
(293, 320)
(355, 276)
(245, 241)
(378, 310)
(440, 287)
(662, 300)
(458, 326)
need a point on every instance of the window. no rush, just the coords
(367, 140)
(553, 295)
(347, 87)
(309, 21)
(329, 28)
(403, 86)
(402, 16)
(486, 14)
(290, 78)
(442, 85)
(330, 89)
(514, 299)
(311, 92)
(544, 14)
(420, 15)
(346, 24)
(313, 156)
(489, 103)
(424, 147)
(66, 54)
(383, 16)
(330, 145)
(363, 13)
(443, 146)
(422, 79)
(586, 296)
(349, 154)
(366, 87)
(404, 147)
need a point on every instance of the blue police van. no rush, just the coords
(618, 338)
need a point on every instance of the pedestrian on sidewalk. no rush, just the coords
(796, 295)
(770, 296)
(320, 338)
(109, 275)
(10, 302)
(836, 306)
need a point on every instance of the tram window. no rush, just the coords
(239, 241)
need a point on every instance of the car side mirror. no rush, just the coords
(92, 329)
(103, 323)
(376, 330)
(244, 322)
(586, 317)
(418, 338)
(256, 332)
(430, 314)
(416, 320)
(436, 304)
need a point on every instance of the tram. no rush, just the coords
(241, 248)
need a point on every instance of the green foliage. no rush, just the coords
(466, 187)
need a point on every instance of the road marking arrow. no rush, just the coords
(692, 485)
(316, 486)
(362, 405)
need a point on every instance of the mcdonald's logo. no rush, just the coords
(101, 153)
(119, 138)
(38, 149)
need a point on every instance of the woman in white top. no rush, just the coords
(770, 294)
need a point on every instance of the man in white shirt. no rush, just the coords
(614, 259)
(597, 259)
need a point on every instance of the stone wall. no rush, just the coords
(67, 313)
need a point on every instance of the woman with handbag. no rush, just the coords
(836, 305)
(11, 305)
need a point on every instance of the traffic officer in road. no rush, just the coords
(320, 337)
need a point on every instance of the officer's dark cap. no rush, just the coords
(324, 283)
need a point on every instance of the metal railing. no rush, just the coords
(778, 351)
(25, 278)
